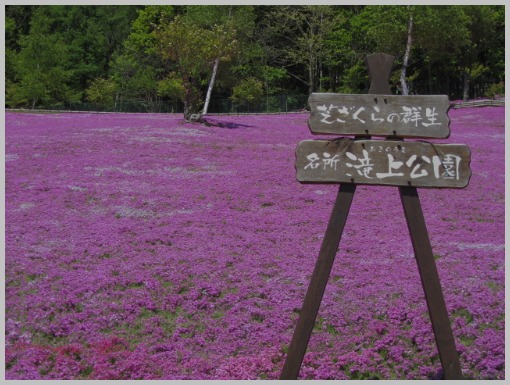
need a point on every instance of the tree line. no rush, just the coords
(190, 56)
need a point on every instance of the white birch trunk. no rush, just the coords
(211, 85)
(405, 63)
(465, 87)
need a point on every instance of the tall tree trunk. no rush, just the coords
(465, 86)
(213, 76)
(429, 73)
(211, 85)
(311, 63)
(405, 63)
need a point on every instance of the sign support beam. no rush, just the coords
(431, 284)
(317, 286)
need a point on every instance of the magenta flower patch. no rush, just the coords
(140, 247)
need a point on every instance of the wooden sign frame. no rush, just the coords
(379, 66)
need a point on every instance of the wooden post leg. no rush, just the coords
(431, 285)
(320, 275)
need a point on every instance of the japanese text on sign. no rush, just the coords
(409, 115)
(446, 167)
(387, 115)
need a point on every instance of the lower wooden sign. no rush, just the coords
(383, 162)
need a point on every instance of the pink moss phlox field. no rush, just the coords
(141, 247)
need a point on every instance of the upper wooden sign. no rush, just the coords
(414, 116)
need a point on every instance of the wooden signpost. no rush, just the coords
(391, 162)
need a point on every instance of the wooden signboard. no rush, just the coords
(392, 162)
(380, 115)
(383, 162)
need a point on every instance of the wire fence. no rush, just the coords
(481, 103)
(134, 106)
(270, 105)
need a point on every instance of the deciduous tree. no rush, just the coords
(297, 34)
(192, 49)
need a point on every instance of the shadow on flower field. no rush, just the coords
(141, 248)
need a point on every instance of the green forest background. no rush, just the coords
(224, 58)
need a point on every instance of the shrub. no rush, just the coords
(102, 92)
(247, 91)
(495, 90)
